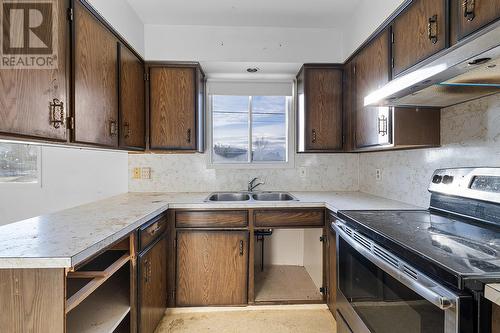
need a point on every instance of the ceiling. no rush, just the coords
(271, 13)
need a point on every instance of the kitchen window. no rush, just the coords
(248, 130)
(19, 163)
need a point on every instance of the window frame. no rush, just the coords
(19, 185)
(290, 140)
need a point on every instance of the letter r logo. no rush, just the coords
(27, 28)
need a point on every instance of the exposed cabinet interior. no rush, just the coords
(98, 293)
(473, 15)
(290, 269)
(35, 102)
(319, 123)
(418, 33)
(175, 100)
(212, 268)
(95, 88)
(132, 100)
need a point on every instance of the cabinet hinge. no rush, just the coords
(70, 14)
(322, 238)
(354, 69)
(71, 123)
(343, 139)
(392, 37)
(323, 290)
(146, 76)
(392, 62)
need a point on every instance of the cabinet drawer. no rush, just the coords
(289, 218)
(151, 231)
(211, 219)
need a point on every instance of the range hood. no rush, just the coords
(463, 72)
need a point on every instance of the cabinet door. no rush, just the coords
(95, 81)
(152, 286)
(332, 272)
(475, 14)
(132, 107)
(419, 32)
(26, 94)
(173, 108)
(323, 109)
(371, 71)
(212, 268)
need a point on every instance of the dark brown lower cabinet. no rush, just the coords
(212, 268)
(152, 285)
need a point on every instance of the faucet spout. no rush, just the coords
(252, 185)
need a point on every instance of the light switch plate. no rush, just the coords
(136, 174)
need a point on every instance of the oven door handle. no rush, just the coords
(419, 283)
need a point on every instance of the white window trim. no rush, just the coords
(38, 184)
(289, 164)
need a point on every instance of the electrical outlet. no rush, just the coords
(303, 172)
(136, 174)
(146, 173)
(378, 174)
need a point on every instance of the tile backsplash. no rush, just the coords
(190, 173)
(470, 136)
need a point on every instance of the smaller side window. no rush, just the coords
(19, 163)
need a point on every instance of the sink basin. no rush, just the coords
(229, 196)
(273, 196)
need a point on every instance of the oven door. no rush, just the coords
(379, 293)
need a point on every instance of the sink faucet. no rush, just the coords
(252, 186)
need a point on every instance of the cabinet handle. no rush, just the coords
(157, 228)
(432, 28)
(113, 128)
(146, 273)
(313, 139)
(469, 9)
(126, 130)
(188, 137)
(57, 114)
(241, 247)
(382, 125)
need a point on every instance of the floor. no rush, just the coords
(285, 283)
(252, 319)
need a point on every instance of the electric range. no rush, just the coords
(423, 270)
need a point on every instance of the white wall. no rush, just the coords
(283, 247)
(367, 17)
(70, 177)
(124, 19)
(470, 136)
(242, 44)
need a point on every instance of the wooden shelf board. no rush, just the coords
(103, 310)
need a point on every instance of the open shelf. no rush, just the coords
(105, 309)
(83, 282)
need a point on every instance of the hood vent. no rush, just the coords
(463, 72)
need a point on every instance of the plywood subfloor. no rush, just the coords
(285, 283)
(256, 319)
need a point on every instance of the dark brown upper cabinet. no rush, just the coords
(370, 71)
(319, 123)
(132, 101)
(95, 80)
(205, 256)
(475, 14)
(34, 102)
(419, 32)
(175, 99)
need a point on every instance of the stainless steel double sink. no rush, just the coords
(250, 196)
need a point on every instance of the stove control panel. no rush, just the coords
(475, 183)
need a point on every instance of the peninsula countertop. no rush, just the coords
(68, 237)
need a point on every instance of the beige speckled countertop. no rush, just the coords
(68, 237)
